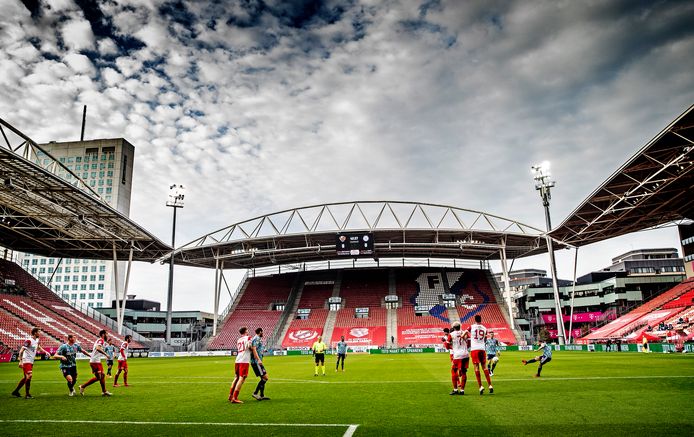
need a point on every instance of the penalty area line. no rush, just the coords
(351, 428)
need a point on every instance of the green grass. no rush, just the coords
(636, 394)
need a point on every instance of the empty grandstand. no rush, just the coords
(366, 306)
(28, 303)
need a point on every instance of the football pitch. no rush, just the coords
(580, 393)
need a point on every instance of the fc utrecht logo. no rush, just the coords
(359, 332)
(303, 335)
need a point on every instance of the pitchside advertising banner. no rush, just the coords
(365, 336)
(302, 337)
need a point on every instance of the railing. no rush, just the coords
(288, 310)
(360, 263)
(235, 297)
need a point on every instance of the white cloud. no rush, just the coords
(79, 64)
(77, 34)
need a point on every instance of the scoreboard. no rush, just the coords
(353, 244)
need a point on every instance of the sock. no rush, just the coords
(90, 382)
(486, 376)
(322, 368)
(236, 394)
(125, 378)
(27, 386)
(231, 390)
(102, 383)
(454, 378)
(477, 375)
(539, 369)
(69, 386)
(115, 381)
(316, 373)
(262, 387)
(493, 366)
(20, 385)
(531, 361)
(257, 387)
(463, 381)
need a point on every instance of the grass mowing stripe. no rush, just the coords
(440, 381)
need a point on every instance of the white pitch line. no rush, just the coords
(351, 428)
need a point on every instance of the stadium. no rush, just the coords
(387, 276)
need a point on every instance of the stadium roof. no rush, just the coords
(655, 187)
(43, 214)
(400, 229)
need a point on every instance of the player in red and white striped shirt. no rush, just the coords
(478, 335)
(243, 359)
(98, 353)
(123, 361)
(27, 354)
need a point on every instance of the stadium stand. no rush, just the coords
(315, 296)
(652, 312)
(364, 289)
(254, 309)
(13, 332)
(44, 309)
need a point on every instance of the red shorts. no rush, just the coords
(460, 364)
(97, 368)
(27, 367)
(241, 369)
(122, 365)
(478, 357)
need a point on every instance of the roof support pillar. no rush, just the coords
(125, 292)
(218, 278)
(573, 295)
(507, 283)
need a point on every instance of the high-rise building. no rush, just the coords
(106, 165)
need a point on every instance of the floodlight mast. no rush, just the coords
(175, 201)
(543, 184)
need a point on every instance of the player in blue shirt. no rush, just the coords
(545, 358)
(341, 353)
(67, 353)
(257, 365)
(110, 350)
(491, 346)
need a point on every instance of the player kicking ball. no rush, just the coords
(545, 358)
(460, 359)
(478, 333)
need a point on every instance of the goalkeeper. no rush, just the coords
(491, 345)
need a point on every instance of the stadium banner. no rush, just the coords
(575, 333)
(420, 334)
(306, 352)
(577, 317)
(360, 336)
(5, 358)
(301, 337)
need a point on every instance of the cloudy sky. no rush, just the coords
(258, 106)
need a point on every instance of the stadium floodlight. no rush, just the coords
(544, 184)
(176, 196)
